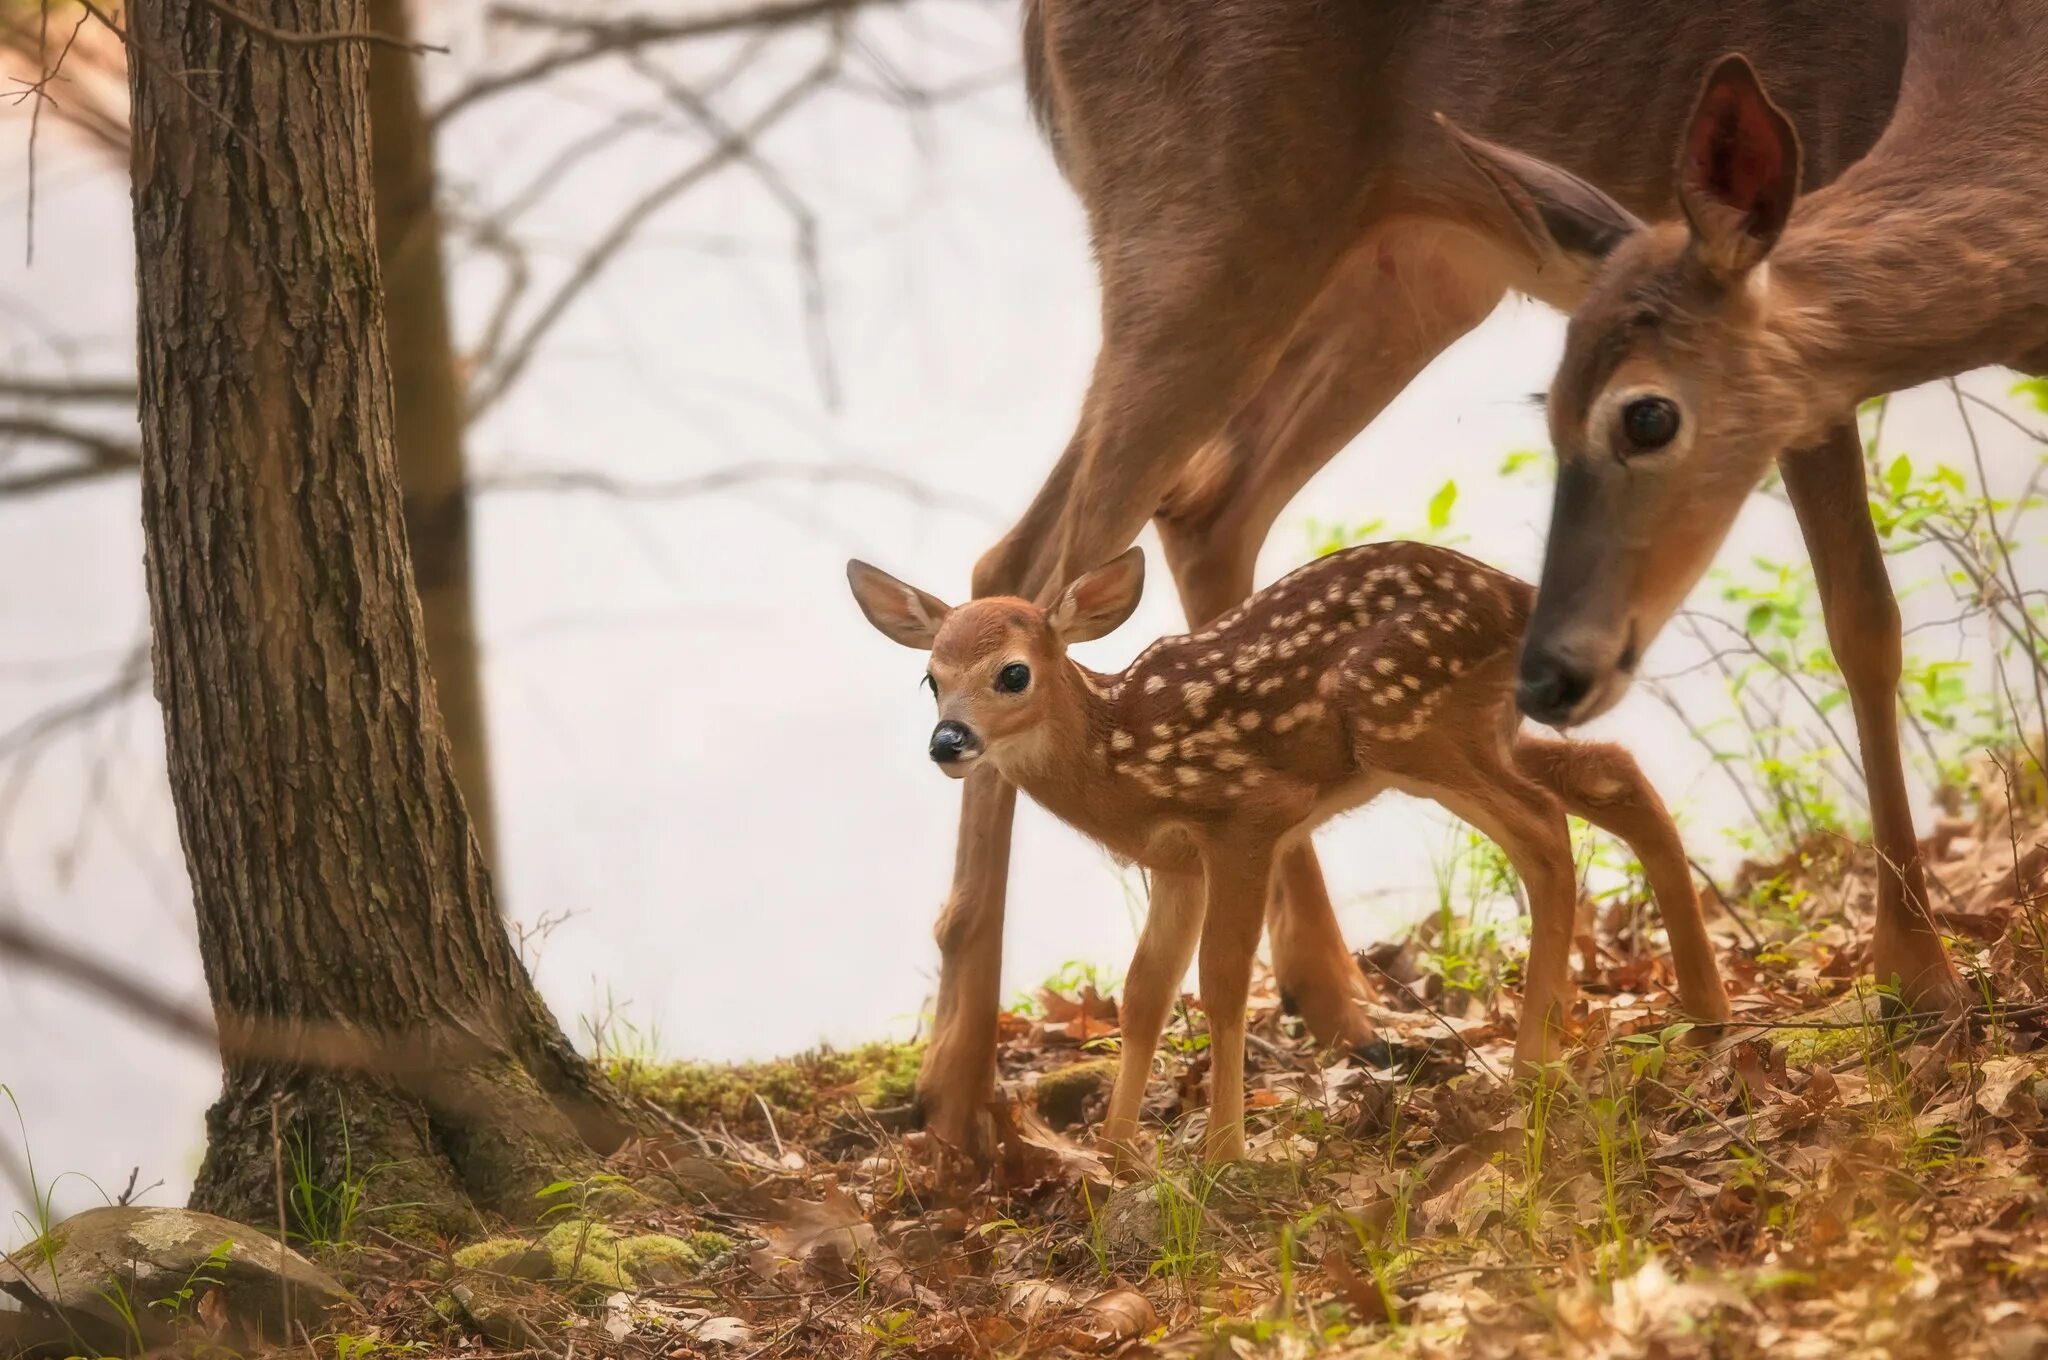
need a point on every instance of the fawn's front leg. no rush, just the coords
(1230, 938)
(1173, 924)
(1527, 822)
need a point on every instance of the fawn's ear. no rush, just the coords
(1566, 221)
(1738, 174)
(1098, 603)
(902, 613)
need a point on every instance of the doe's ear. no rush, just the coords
(1098, 603)
(1738, 174)
(900, 612)
(1566, 221)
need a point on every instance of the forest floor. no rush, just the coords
(1814, 1183)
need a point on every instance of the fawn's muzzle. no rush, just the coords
(954, 744)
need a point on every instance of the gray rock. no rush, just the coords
(1133, 1223)
(108, 1279)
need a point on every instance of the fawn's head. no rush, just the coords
(1675, 393)
(999, 667)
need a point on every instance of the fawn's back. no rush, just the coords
(1328, 675)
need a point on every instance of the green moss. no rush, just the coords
(1063, 1096)
(657, 1258)
(583, 1255)
(1830, 1045)
(1823, 1047)
(506, 1256)
(798, 1088)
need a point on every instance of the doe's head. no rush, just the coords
(998, 666)
(1676, 391)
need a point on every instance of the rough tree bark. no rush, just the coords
(428, 399)
(339, 886)
(426, 384)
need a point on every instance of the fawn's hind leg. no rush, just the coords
(1603, 784)
(1527, 822)
(1237, 879)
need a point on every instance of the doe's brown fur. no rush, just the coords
(1286, 236)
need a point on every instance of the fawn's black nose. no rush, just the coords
(1550, 688)
(952, 742)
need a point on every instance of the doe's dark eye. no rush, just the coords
(930, 683)
(1013, 678)
(1649, 423)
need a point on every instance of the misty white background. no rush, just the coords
(700, 749)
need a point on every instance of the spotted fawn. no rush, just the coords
(1385, 666)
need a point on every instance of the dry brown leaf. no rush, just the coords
(1118, 1315)
(1033, 1299)
(2001, 1077)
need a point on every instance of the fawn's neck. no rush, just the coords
(1065, 764)
(1930, 256)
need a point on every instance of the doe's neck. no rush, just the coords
(1929, 257)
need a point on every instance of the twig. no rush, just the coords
(1518, 1268)
(130, 1194)
(603, 37)
(492, 386)
(114, 691)
(724, 479)
(1728, 905)
(317, 37)
(40, 93)
(116, 391)
(1751, 1143)
(1435, 1015)
(1749, 646)
(284, 1276)
(804, 220)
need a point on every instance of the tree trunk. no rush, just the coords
(345, 913)
(427, 398)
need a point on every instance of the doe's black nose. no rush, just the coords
(1550, 689)
(952, 741)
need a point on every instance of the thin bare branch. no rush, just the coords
(802, 217)
(492, 386)
(315, 38)
(115, 690)
(113, 391)
(601, 37)
(39, 91)
(94, 105)
(559, 480)
(103, 456)
(317, 1043)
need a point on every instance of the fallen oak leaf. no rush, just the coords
(1033, 1299)
(2001, 1077)
(1119, 1315)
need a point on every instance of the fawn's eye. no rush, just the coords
(931, 684)
(1013, 678)
(1648, 424)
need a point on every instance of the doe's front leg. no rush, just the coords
(1230, 940)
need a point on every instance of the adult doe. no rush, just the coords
(1285, 236)
(1387, 666)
